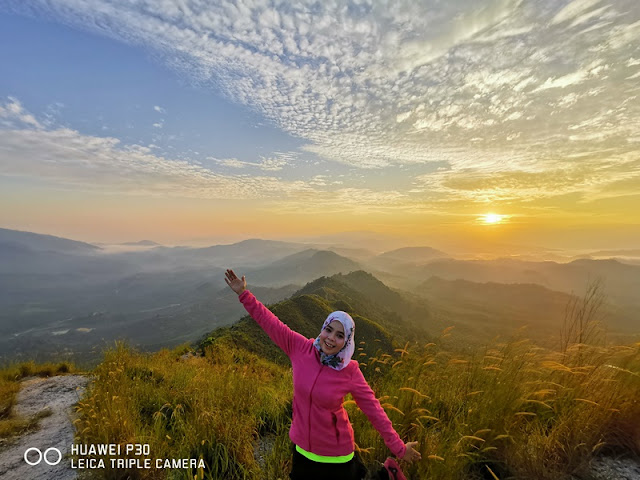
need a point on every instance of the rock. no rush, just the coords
(58, 394)
(609, 468)
(262, 448)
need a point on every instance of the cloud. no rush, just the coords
(230, 162)
(489, 86)
(277, 161)
(588, 175)
(597, 14)
(12, 114)
(624, 35)
(159, 109)
(353, 79)
(70, 159)
(564, 81)
(572, 10)
(273, 163)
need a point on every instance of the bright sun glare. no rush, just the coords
(492, 218)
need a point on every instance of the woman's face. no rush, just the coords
(332, 338)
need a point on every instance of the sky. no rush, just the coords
(179, 121)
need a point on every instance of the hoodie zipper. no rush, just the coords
(310, 402)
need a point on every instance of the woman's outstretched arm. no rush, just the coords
(285, 338)
(369, 404)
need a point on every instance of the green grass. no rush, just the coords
(300, 314)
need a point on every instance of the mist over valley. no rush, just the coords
(62, 298)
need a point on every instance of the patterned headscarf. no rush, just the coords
(339, 360)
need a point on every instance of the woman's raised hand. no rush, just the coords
(237, 285)
(411, 454)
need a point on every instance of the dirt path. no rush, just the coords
(615, 469)
(56, 394)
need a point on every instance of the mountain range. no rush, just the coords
(62, 296)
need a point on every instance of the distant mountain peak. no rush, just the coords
(260, 241)
(325, 254)
(409, 252)
(601, 261)
(142, 243)
(313, 254)
(44, 243)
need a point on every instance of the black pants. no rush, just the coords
(305, 469)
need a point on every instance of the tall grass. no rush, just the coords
(509, 410)
(212, 407)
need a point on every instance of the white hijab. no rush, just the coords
(339, 360)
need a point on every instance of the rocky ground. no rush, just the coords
(262, 448)
(57, 395)
(608, 468)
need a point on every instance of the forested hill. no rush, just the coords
(377, 327)
(414, 309)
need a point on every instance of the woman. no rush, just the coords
(323, 373)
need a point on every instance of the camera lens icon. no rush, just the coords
(46, 456)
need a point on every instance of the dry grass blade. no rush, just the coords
(413, 390)
(428, 417)
(477, 392)
(447, 330)
(543, 393)
(388, 406)
(551, 365)
(623, 370)
(492, 357)
(538, 402)
(495, 477)
(403, 351)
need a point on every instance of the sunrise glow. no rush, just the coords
(492, 218)
(262, 120)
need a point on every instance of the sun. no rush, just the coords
(492, 218)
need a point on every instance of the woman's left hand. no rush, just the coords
(411, 455)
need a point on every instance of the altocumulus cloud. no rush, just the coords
(274, 163)
(495, 86)
(71, 159)
(76, 161)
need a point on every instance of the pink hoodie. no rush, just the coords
(320, 424)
